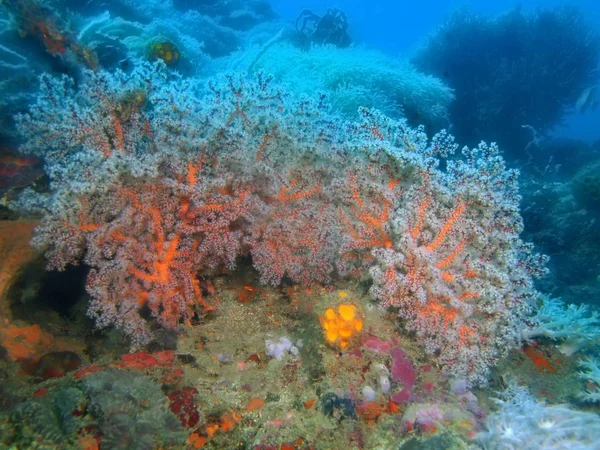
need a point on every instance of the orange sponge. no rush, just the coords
(340, 326)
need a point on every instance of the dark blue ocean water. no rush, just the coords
(398, 27)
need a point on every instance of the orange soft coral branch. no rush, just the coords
(458, 211)
(157, 220)
(376, 235)
(132, 197)
(416, 230)
(355, 194)
(218, 206)
(284, 195)
(439, 313)
(83, 224)
(118, 132)
(448, 259)
(264, 143)
(161, 270)
(165, 251)
(193, 169)
(239, 112)
(98, 139)
(375, 226)
(468, 296)
(465, 333)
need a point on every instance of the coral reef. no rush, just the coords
(283, 236)
(355, 77)
(454, 249)
(114, 408)
(157, 194)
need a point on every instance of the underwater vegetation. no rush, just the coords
(561, 215)
(512, 72)
(50, 415)
(132, 411)
(126, 410)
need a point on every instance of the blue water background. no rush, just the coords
(399, 27)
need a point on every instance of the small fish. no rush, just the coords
(18, 171)
(589, 99)
(52, 365)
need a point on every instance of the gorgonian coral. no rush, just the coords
(179, 186)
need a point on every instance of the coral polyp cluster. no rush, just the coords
(197, 177)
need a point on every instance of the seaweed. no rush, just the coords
(132, 411)
(50, 418)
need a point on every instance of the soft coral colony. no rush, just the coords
(159, 182)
